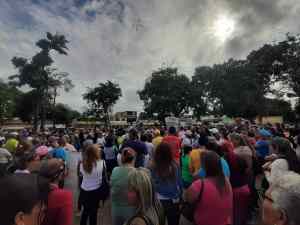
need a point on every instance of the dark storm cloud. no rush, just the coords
(259, 21)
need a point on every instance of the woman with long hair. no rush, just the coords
(141, 195)
(282, 160)
(92, 178)
(216, 198)
(167, 182)
(120, 208)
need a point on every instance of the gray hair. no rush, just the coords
(285, 192)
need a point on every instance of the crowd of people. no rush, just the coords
(203, 175)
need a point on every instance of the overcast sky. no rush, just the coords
(125, 40)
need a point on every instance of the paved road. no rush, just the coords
(104, 214)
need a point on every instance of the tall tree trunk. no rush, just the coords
(106, 118)
(43, 117)
(36, 116)
(42, 110)
(54, 103)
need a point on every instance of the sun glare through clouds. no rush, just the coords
(223, 28)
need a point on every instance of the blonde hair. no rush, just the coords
(140, 181)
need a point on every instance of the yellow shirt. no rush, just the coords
(156, 141)
(195, 162)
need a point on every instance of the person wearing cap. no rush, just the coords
(174, 143)
(121, 209)
(60, 201)
(139, 147)
(262, 145)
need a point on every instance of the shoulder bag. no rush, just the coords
(105, 187)
(188, 209)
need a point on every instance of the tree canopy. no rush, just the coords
(166, 92)
(259, 85)
(8, 96)
(38, 74)
(102, 98)
(63, 114)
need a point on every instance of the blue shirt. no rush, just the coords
(225, 168)
(262, 148)
(169, 189)
(59, 153)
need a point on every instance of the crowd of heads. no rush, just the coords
(238, 154)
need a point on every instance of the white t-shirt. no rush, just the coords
(92, 181)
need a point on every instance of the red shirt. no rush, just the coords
(175, 144)
(227, 146)
(60, 207)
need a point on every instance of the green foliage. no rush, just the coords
(166, 92)
(8, 95)
(25, 105)
(38, 74)
(102, 98)
(63, 114)
(231, 88)
(277, 107)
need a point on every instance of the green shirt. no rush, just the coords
(186, 174)
(119, 186)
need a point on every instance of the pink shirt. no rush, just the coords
(213, 208)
